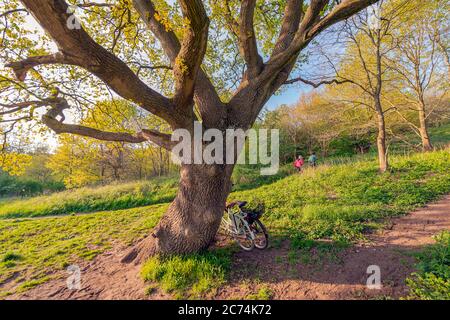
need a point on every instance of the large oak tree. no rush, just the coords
(186, 37)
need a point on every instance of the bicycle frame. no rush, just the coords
(232, 224)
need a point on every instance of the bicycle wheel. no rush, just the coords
(261, 235)
(243, 234)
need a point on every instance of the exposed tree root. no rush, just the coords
(142, 251)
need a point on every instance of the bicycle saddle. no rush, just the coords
(241, 204)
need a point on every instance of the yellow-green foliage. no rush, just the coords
(14, 163)
(264, 293)
(81, 161)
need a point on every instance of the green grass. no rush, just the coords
(440, 139)
(440, 136)
(342, 202)
(35, 247)
(119, 196)
(112, 197)
(314, 252)
(432, 281)
(190, 276)
(247, 177)
(338, 203)
(264, 293)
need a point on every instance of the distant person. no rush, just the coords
(312, 160)
(298, 163)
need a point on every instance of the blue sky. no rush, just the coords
(288, 96)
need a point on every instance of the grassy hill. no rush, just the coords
(119, 196)
(339, 203)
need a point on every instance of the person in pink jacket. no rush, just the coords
(298, 163)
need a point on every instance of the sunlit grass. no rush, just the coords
(338, 203)
(432, 281)
(190, 276)
(341, 202)
(111, 197)
(33, 248)
(118, 196)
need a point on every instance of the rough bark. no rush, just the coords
(193, 218)
(423, 129)
(381, 143)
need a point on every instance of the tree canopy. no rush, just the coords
(157, 55)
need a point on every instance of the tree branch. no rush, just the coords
(85, 52)
(18, 106)
(21, 68)
(205, 95)
(247, 39)
(342, 11)
(192, 51)
(161, 139)
(4, 14)
(310, 27)
(60, 104)
(231, 22)
(293, 13)
(94, 4)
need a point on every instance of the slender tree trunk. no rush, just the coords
(381, 143)
(381, 138)
(426, 141)
(161, 164)
(193, 218)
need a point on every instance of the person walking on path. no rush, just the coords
(312, 160)
(298, 163)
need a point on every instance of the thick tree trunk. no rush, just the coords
(381, 144)
(192, 220)
(426, 142)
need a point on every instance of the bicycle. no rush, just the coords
(245, 227)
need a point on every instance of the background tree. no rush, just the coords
(368, 42)
(80, 161)
(419, 63)
(321, 122)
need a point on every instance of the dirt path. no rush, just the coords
(342, 278)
